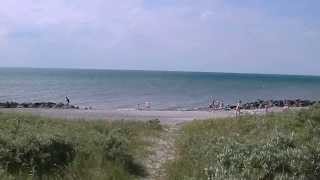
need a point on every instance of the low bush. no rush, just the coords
(276, 146)
(154, 124)
(34, 155)
(33, 147)
(116, 149)
(280, 157)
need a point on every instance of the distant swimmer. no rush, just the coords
(238, 109)
(67, 100)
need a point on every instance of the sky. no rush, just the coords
(249, 36)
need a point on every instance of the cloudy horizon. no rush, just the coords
(251, 36)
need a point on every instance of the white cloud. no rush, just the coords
(189, 35)
(206, 14)
(37, 12)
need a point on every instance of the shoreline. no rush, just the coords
(165, 117)
(147, 106)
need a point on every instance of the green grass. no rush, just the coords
(276, 146)
(33, 147)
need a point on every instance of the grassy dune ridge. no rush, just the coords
(276, 146)
(33, 147)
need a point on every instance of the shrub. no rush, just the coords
(250, 148)
(154, 124)
(35, 155)
(59, 149)
(312, 114)
(279, 157)
(116, 149)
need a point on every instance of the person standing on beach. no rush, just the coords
(268, 106)
(221, 105)
(67, 100)
(238, 109)
(147, 105)
(285, 106)
(211, 103)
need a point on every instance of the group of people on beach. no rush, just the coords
(219, 105)
(239, 107)
(145, 106)
(215, 104)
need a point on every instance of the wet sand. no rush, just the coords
(164, 116)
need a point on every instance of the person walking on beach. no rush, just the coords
(238, 109)
(67, 100)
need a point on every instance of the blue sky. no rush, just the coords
(258, 36)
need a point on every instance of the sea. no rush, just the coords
(164, 90)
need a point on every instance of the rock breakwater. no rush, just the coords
(47, 105)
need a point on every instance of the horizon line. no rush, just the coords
(152, 70)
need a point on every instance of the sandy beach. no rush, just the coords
(165, 117)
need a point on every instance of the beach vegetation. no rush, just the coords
(275, 146)
(33, 147)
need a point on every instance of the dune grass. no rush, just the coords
(33, 147)
(276, 146)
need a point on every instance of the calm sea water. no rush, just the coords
(113, 89)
